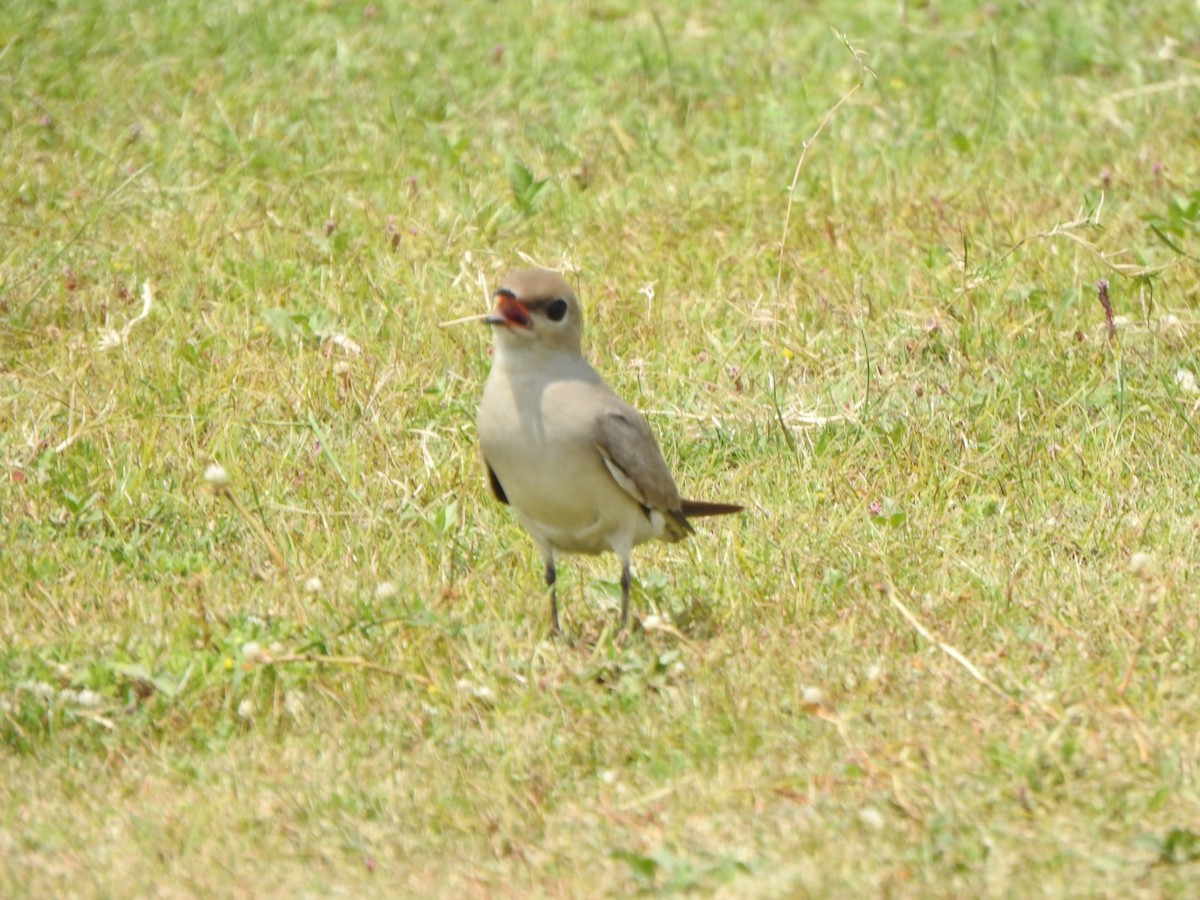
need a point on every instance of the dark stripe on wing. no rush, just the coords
(497, 488)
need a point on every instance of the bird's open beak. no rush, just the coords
(509, 312)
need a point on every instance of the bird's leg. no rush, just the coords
(624, 593)
(551, 577)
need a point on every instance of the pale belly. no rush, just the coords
(614, 529)
(554, 477)
(589, 513)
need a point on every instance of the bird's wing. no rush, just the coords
(634, 460)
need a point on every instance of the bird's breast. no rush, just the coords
(540, 443)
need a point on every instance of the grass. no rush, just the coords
(950, 650)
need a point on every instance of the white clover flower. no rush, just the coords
(216, 476)
(871, 817)
(252, 652)
(1142, 565)
(812, 696)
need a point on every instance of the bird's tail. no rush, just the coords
(693, 508)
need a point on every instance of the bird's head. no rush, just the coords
(536, 308)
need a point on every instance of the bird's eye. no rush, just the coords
(557, 310)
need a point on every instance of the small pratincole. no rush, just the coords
(578, 465)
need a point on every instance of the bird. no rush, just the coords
(577, 464)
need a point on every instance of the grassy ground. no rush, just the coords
(951, 649)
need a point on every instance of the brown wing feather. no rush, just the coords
(627, 444)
